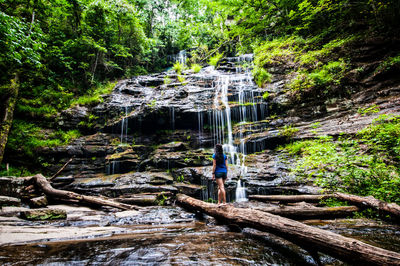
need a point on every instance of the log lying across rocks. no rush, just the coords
(302, 212)
(371, 202)
(290, 198)
(69, 196)
(344, 248)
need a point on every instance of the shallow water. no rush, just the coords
(179, 244)
(173, 236)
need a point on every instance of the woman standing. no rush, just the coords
(220, 172)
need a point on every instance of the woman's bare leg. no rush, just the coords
(221, 191)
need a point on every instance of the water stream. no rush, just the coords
(236, 101)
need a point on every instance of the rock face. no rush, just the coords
(155, 133)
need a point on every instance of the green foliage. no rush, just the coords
(276, 51)
(210, 200)
(333, 202)
(180, 178)
(27, 138)
(365, 166)
(261, 76)
(161, 199)
(265, 95)
(369, 110)
(178, 67)
(14, 171)
(167, 80)
(152, 104)
(389, 64)
(214, 60)
(182, 79)
(288, 131)
(196, 68)
(93, 96)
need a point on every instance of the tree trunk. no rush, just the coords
(140, 199)
(290, 198)
(302, 212)
(383, 207)
(7, 112)
(345, 248)
(45, 186)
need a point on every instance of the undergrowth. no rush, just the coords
(26, 137)
(93, 96)
(367, 164)
(315, 65)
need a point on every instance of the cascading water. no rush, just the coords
(124, 127)
(223, 116)
(240, 194)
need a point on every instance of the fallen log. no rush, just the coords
(139, 199)
(290, 198)
(344, 248)
(383, 207)
(47, 189)
(301, 212)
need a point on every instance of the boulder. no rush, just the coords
(38, 202)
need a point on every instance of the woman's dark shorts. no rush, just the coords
(222, 175)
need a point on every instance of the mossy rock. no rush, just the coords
(43, 214)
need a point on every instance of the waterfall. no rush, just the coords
(240, 193)
(172, 117)
(181, 57)
(124, 127)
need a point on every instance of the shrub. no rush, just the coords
(167, 80)
(366, 165)
(261, 76)
(178, 67)
(214, 60)
(93, 97)
(196, 68)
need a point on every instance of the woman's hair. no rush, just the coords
(219, 154)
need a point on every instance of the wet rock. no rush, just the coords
(12, 211)
(9, 201)
(38, 202)
(189, 189)
(43, 214)
(13, 187)
(161, 178)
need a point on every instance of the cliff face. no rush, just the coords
(153, 131)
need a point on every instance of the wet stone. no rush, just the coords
(38, 202)
(9, 201)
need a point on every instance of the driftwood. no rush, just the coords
(290, 198)
(371, 202)
(302, 212)
(69, 196)
(345, 248)
(62, 168)
(139, 199)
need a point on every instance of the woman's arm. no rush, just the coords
(226, 164)
(214, 166)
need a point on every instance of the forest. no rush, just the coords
(121, 98)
